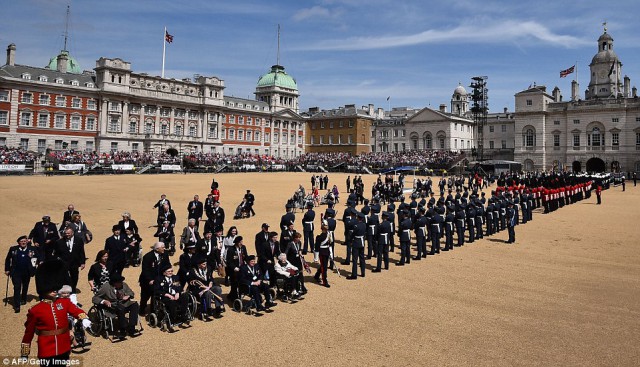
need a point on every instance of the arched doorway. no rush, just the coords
(172, 152)
(577, 166)
(595, 165)
(528, 165)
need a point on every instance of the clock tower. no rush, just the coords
(605, 70)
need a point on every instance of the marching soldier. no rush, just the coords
(448, 229)
(404, 232)
(357, 248)
(460, 221)
(420, 230)
(307, 228)
(511, 222)
(323, 249)
(384, 235)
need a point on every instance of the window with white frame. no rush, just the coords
(285, 138)
(133, 126)
(90, 123)
(135, 147)
(179, 130)
(114, 124)
(576, 122)
(59, 81)
(25, 118)
(43, 78)
(59, 121)
(91, 104)
(27, 97)
(149, 127)
(4, 96)
(89, 146)
(276, 138)
(249, 135)
(4, 117)
(42, 145)
(114, 146)
(24, 144)
(491, 128)
(615, 139)
(241, 120)
(43, 100)
(60, 101)
(321, 138)
(164, 129)
(213, 131)
(193, 131)
(249, 120)
(232, 134)
(576, 140)
(232, 119)
(491, 144)
(240, 135)
(504, 128)
(26, 76)
(74, 145)
(556, 140)
(76, 103)
(350, 138)
(267, 137)
(74, 83)
(256, 136)
(529, 102)
(43, 119)
(595, 137)
(615, 119)
(57, 144)
(529, 138)
(75, 122)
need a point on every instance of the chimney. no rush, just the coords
(380, 112)
(505, 110)
(11, 54)
(575, 87)
(556, 94)
(62, 61)
(634, 92)
(371, 109)
(443, 108)
(627, 85)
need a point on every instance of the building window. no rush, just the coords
(76, 103)
(637, 118)
(312, 139)
(148, 110)
(256, 136)
(213, 132)
(24, 144)
(25, 119)
(114, 124)
(164, 129)
(576, 122)
(595, 138)
(240, 134)
(148, 127)
(529, 102)
(114, 146)
(267, 137)
(27, 98)
(276, 138)
(240, 120)
(441, 144)
(134, 147)
(491, 129)
(249, 135)
(89, 147)
(330, 139)
(330, 124)
(26, 76)
(133, 127)
(556, 122)
(75, 122)
(42, 145)
(59, 81)
(491, 144)
(556, 140)
(193, 131)
(615, 139)
(637, 139)
(615, 119)
(576, 140)
(60, 121)
(57, 144)
(74, 145)
(60, 101)
(4, 97)
(90, 124)
(504, 144)
(4, 120)
(428, 141)
(43, 100)
(455, 144)
(232, 119)
(43, 119)
(351, 123)
(3, 142)
(74, 83)
(529, 138)
(232, 134)
(504, 128)
(322, 124)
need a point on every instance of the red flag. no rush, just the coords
(564, 73)
(168, 37)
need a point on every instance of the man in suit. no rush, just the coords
(166, 213)
(294, 256)
(261, 239)
(152, 262)
(307, 228)
(127, 222)
(19, 265)
(190, 234)
(44, 236)
(203, 287)
(250, 199)
(117, 297)
(195, 209)
(207, 248)
(116, 246)
(70, 249)
(68, 215)
(187, 262)
(167, 236)
(168, 287)
(268, 254)
(160, 204)
(286, 237)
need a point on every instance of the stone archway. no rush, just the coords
(595, 164)
(577, 166)
(615, 166)
(172, 152)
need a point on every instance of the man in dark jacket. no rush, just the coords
(20, 266)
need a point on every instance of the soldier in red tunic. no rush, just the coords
(48, 318)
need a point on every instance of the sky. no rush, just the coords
(339, 51)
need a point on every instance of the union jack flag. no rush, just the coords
(564, 73)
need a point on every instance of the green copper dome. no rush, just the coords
(277, 77)
(72, 65)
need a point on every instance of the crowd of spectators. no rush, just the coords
(216, 159)
(420, 158)
(89, 158)
(16, 156)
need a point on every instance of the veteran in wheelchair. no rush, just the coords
(253, 284)
(114, 301)
(287, 279)
(203, 288)
(172, 306)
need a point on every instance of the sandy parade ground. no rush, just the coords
(566, 294)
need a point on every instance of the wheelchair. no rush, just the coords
(285, 288)
(104, 323)
(244, 302)
(160, 316)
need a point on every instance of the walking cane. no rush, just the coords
(6, 292)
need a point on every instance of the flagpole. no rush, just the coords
(164, 46)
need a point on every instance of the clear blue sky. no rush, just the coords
(340, 51)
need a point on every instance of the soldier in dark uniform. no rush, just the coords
(420, 229)
(261, 240)
(287, 218)
(357, 248)
(436, 222)
(286, 237)
(404, 232)
(329, 211)
(187, 262)
(323, 249)
(268, 254)
(294, 256)
(511, 222)
(384, 239)
(392, 220)
(479, 218)
(516, 207)
(460, 222)
(496, 214)
(19, 265)
(307, 229)
(236, 257)
(250, 201)
(524, 205)
(349, 220)
(372, 223)
(489, 217)
(503, 214)
(331, 230)
(251, 276)
(207, 248)
(448, 229)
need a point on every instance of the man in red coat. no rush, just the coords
(48, 318)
